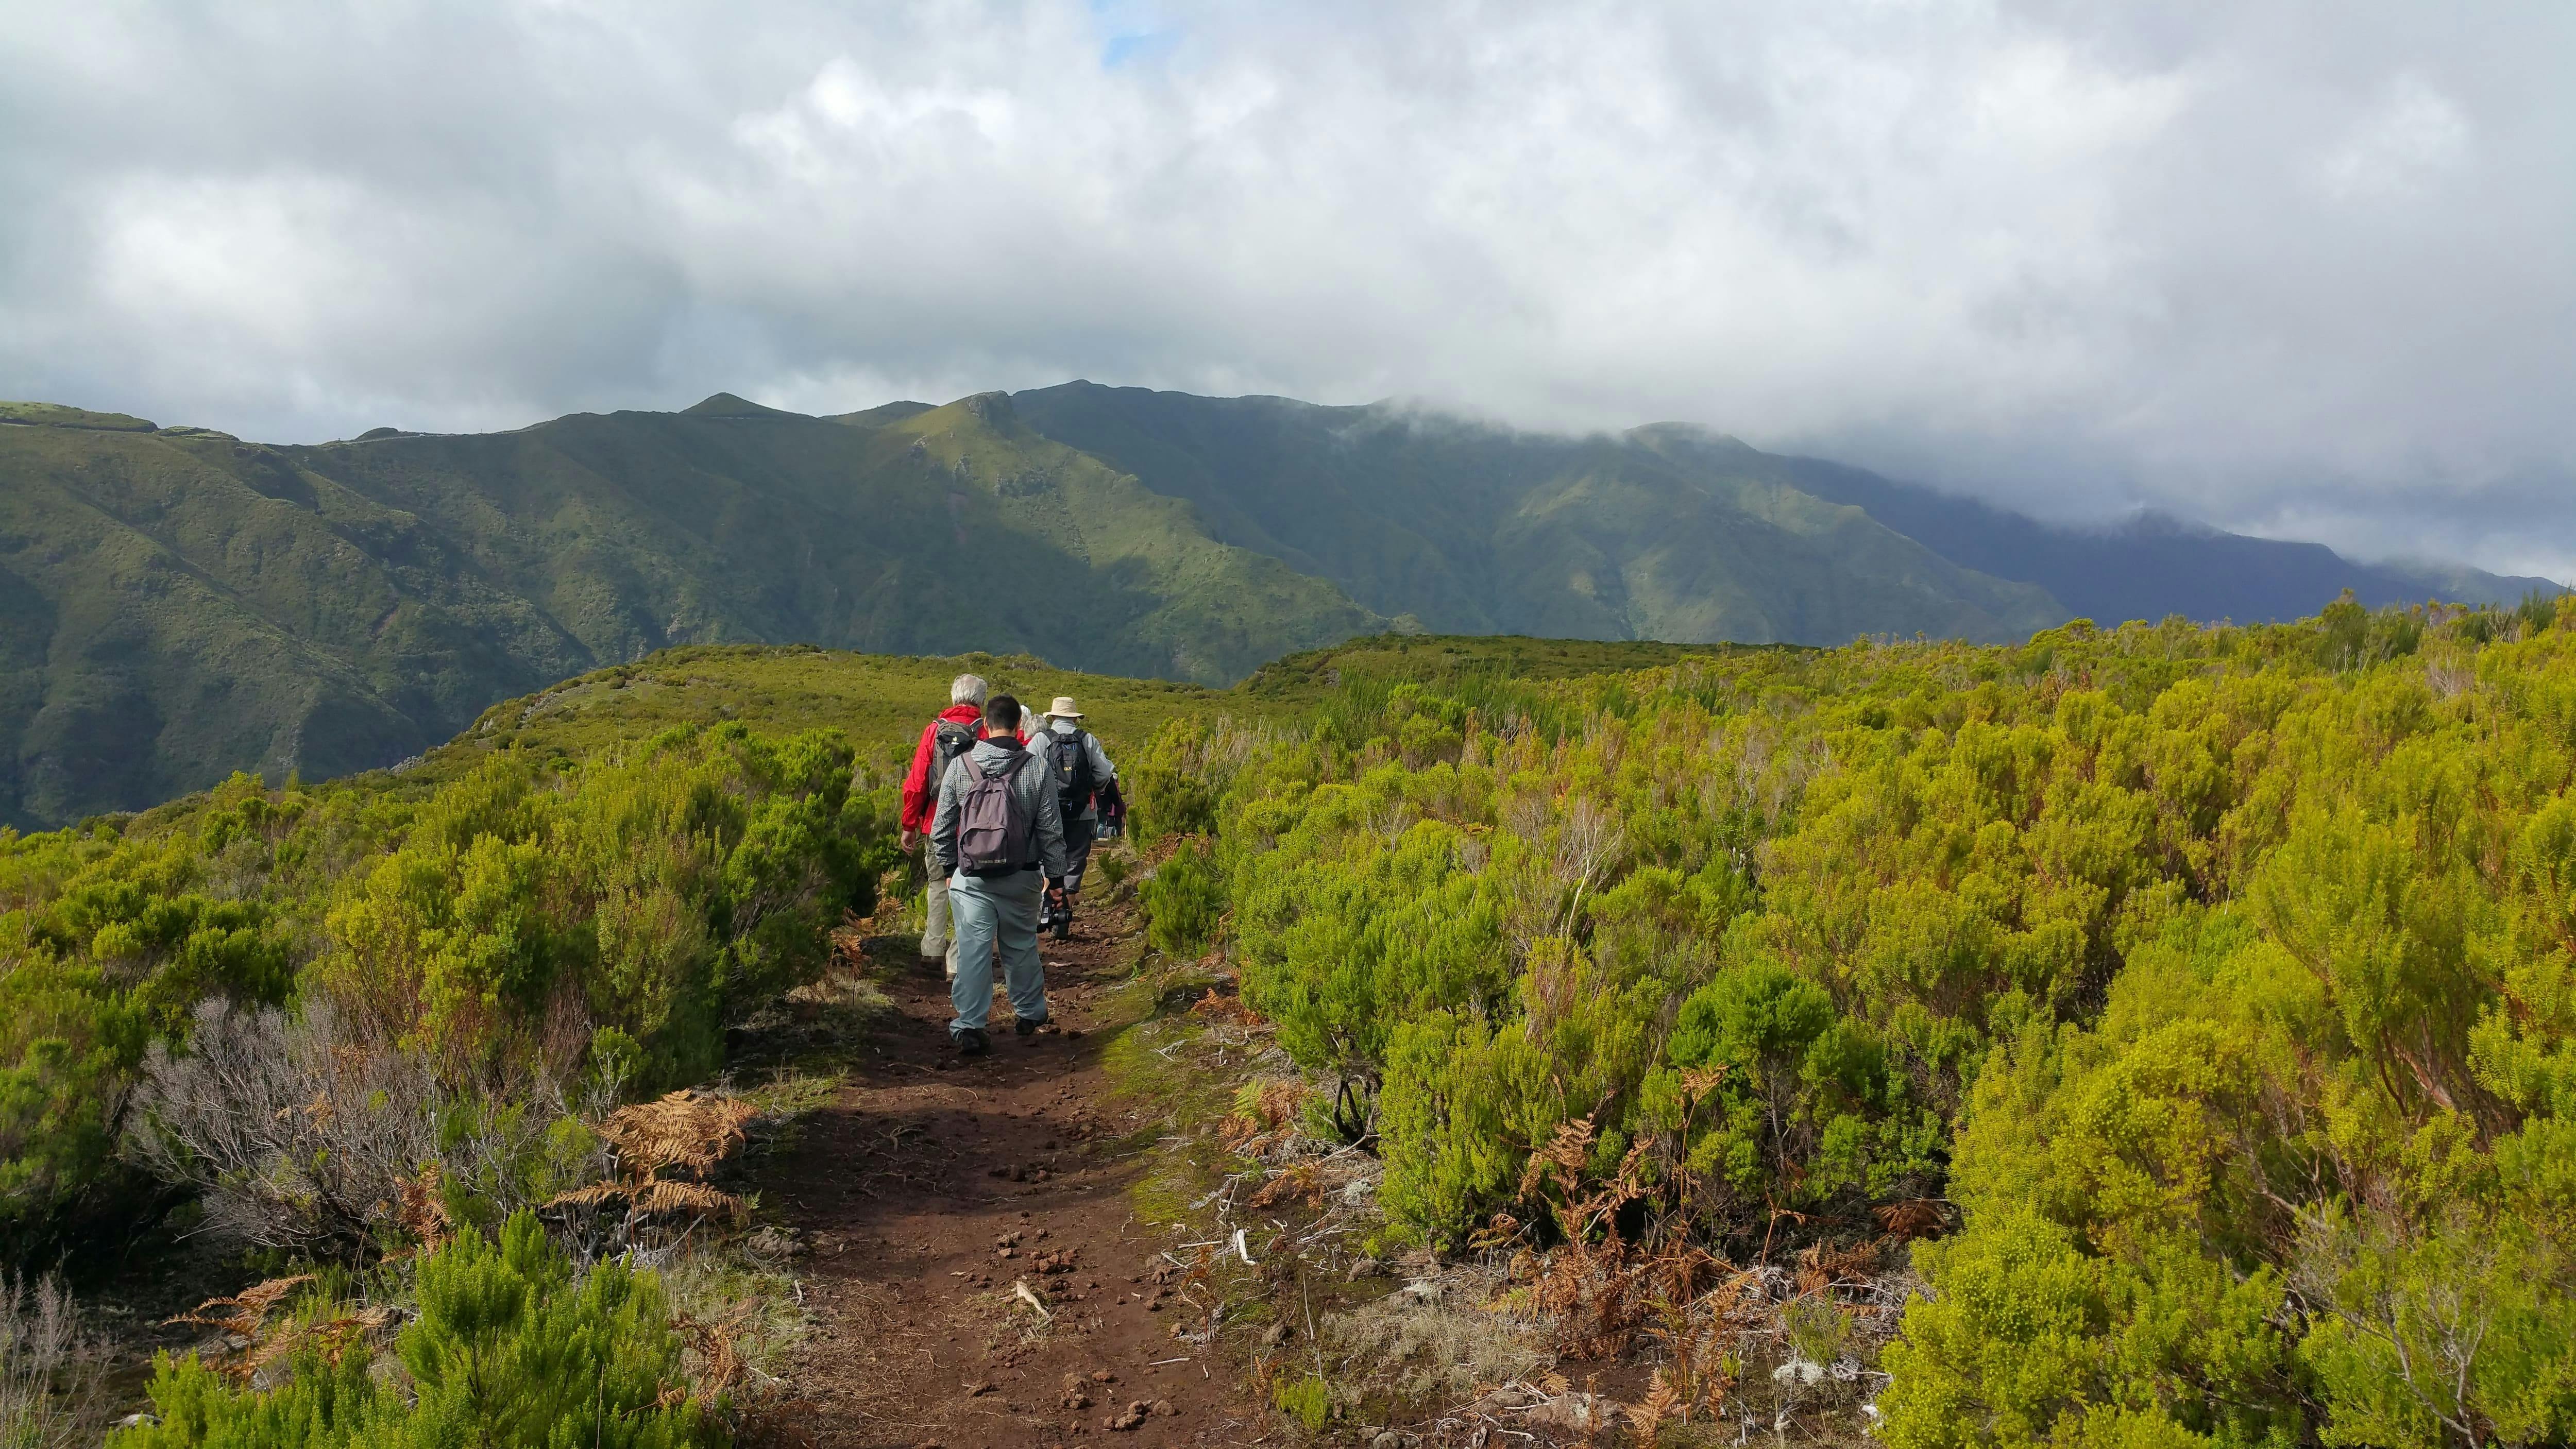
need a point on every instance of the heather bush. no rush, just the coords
(1183, 902)
(426, 965)
(510, 1346)
(2211, 985)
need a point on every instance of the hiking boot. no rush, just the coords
(1024, 1026)
(971, 1042)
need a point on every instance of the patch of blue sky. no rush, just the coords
(1131, 32)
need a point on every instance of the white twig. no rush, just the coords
(1020, 1290)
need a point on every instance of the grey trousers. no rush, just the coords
(934, 921)
(1078, 836)
(988, 910)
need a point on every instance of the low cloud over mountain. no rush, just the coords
(2294, 269)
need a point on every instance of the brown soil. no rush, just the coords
(931, 1187)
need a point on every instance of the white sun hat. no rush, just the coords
(1063, 708)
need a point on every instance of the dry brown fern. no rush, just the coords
(249, 1308)
(1224, 1008)
(423, 1210)
(332, 1337)
(686, 1129)
(246, 1315)
(662, 1197)
(717, 1347)
(1921, 1217)
(1662, 1401)
(1821, 1267)
(1562, 1160)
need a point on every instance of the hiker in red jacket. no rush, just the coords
(952, 734)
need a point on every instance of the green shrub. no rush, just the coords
(2223, 980)
(475, 933)
(69, 1044)
(1172, 785)
(510, 1347)
(1183, 902)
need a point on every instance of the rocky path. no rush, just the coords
(938, 1196)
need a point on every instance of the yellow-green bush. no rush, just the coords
(1183, 902)
(2224, 980)
(490, 928)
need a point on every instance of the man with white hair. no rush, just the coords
(952, 734)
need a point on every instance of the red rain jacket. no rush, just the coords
(920, 792)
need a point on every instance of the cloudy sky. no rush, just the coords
(2306, 270)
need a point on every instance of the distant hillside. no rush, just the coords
(2149, 567)
(1472, 529)
(1674, 532)
(181, 604)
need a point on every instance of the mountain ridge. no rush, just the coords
(1477, 529)
(181, 603)
(2139, 567)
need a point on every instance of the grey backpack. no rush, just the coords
(992, 828)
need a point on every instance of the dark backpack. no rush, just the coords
(992, 828)
(949, 740)
(1069, 761)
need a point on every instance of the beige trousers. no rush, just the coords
(935, 929)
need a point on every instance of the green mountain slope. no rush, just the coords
(2150, 566)
(1675, 532)
(1479, 529)
(181, 604)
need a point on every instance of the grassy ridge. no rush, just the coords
(879, 700)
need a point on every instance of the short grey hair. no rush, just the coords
(967, 689)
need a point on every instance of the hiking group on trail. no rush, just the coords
(1006, 806)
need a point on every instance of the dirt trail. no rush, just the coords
(930, 1187)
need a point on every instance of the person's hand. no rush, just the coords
(911, 839)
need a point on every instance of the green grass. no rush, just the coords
(1447, 658)
(880, 701)
(56, 415)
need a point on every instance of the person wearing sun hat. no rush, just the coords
(1086, 789)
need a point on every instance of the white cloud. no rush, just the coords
(2413, 136)
(2268, 264)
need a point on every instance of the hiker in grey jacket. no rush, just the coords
(998, 901)
(1082, 786)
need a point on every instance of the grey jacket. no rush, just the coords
(1033, 786)
(1102, 772)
